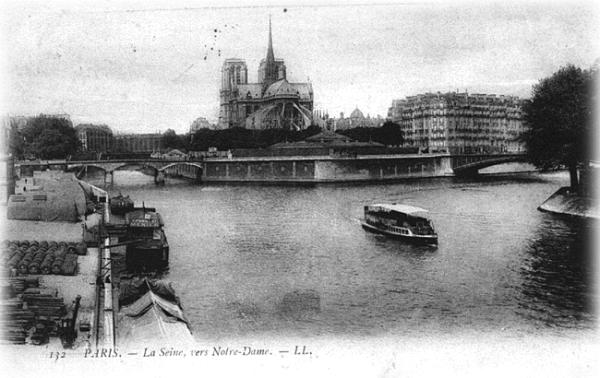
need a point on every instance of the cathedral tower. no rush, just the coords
(233, 74)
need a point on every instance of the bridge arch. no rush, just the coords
(470, 166)
(135, 166)
(192, 164)
(79, 169)
(185, 169)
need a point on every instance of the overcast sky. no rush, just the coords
(144, 67)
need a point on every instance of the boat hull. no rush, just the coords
(147, 258)
(417, 239)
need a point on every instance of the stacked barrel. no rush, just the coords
(33, 257)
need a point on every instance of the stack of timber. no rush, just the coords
(33, 257)
(29, 311)
(15, 318)
(15, 321)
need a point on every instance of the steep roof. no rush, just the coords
(254, 90)
(282, 88)
(327, 136)
(304, 90)
(356, 113)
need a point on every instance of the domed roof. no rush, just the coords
(281, 88)
(356, 113)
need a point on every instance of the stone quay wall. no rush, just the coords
(326, 168)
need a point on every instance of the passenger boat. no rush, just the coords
(121, 204)
(399, 221)
(147, 247)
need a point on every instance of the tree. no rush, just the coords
(389, 134)
(239, 137)
(50, 137)
(559, 120)
(171, 140)
(16, 144)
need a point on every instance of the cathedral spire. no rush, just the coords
(271, 73)
(270, 55)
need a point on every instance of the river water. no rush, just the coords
(253, 260)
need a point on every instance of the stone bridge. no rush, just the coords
(469, 165)
(188, 169)
(290, 168)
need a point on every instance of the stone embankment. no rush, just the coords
(566, 202)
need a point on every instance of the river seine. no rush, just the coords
(294, 261)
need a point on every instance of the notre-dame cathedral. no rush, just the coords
(273, 102)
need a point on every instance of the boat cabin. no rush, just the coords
(141, 223)
(398, 217)
(149, 248)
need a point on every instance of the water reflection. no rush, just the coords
(410, 251)
(557, 274)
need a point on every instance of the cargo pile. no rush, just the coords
(29, 313)
(33, 257)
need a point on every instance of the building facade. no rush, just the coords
(460, 122)
(97, 138)
(138, 143)
(272, 102)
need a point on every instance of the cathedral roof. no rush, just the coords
(304, 89)
(282, 88)
(253, 90)
(356, 113)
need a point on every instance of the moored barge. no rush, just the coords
(147, 246)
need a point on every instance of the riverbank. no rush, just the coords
(58, 288)
(567, 203)
(93, 280)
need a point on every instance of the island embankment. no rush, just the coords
(571, 203)
(581, 202)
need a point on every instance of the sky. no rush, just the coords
(151, 66)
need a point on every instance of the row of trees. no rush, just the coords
(389, 134)
(236, 137)
(245, 138)
(50, 137)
